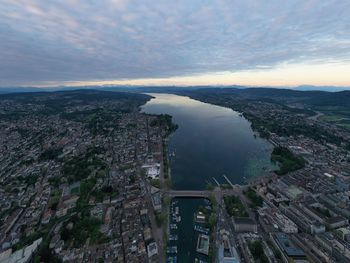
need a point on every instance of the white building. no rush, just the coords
(152, 249)
(152, 170)
(23, 255)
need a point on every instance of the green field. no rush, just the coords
(340, 120)
(339, 115)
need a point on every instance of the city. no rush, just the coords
(156, 131)
(75, 187)
(90, 179)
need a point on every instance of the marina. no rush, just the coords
(188, 239)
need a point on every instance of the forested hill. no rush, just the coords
(312, 98)
(60, 99)
(89, 101)
(315, 98)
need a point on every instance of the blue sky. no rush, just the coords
(272, 42)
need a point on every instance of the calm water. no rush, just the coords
(187, 236)
(211, 141)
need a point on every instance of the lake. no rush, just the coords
(211, 141)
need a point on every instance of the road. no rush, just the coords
(315, 117)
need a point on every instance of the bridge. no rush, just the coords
(188, 193)
(217, 193)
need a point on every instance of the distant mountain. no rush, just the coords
(63, 98)
(19, 90)
(290, 96)
(155, 89)
(321, 88)
(168, 89)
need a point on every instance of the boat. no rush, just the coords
(196, 260)
(172, 259)
(173, 237)
(208, 207)
(173, 226)
(172, 250)
(201, 229)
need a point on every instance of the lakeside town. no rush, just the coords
(85, 178)
(155, 131)
(299, 213)
(72, 186)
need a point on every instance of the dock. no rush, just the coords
(228, 180)
(216, 181)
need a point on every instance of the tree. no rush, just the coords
(256, 249)
(212, 220)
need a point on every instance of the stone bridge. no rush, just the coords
(188, 193)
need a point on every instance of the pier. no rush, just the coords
(216, 181)
(228, 180)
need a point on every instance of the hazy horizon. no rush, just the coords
(16, 89)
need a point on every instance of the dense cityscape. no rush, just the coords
(85, 177)
(299, 213)
(71, 182)
(155, 131)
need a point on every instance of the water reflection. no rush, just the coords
(210, 141)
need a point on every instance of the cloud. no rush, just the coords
(65, 40)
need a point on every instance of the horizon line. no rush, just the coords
(291, 87)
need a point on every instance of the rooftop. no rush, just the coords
(288, 247)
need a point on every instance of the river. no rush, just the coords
(211, 141)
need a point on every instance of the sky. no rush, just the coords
(181, 42)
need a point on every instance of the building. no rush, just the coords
(147, 234)
(46, 217)
(199, 217)
(156, 199)
(203, 244)
(152, 249)
(336, 222)
(23, 255)
(152, 170)
(227, 253)
(290, 251)
(318, 228)
(345, 233)
(243, 224)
